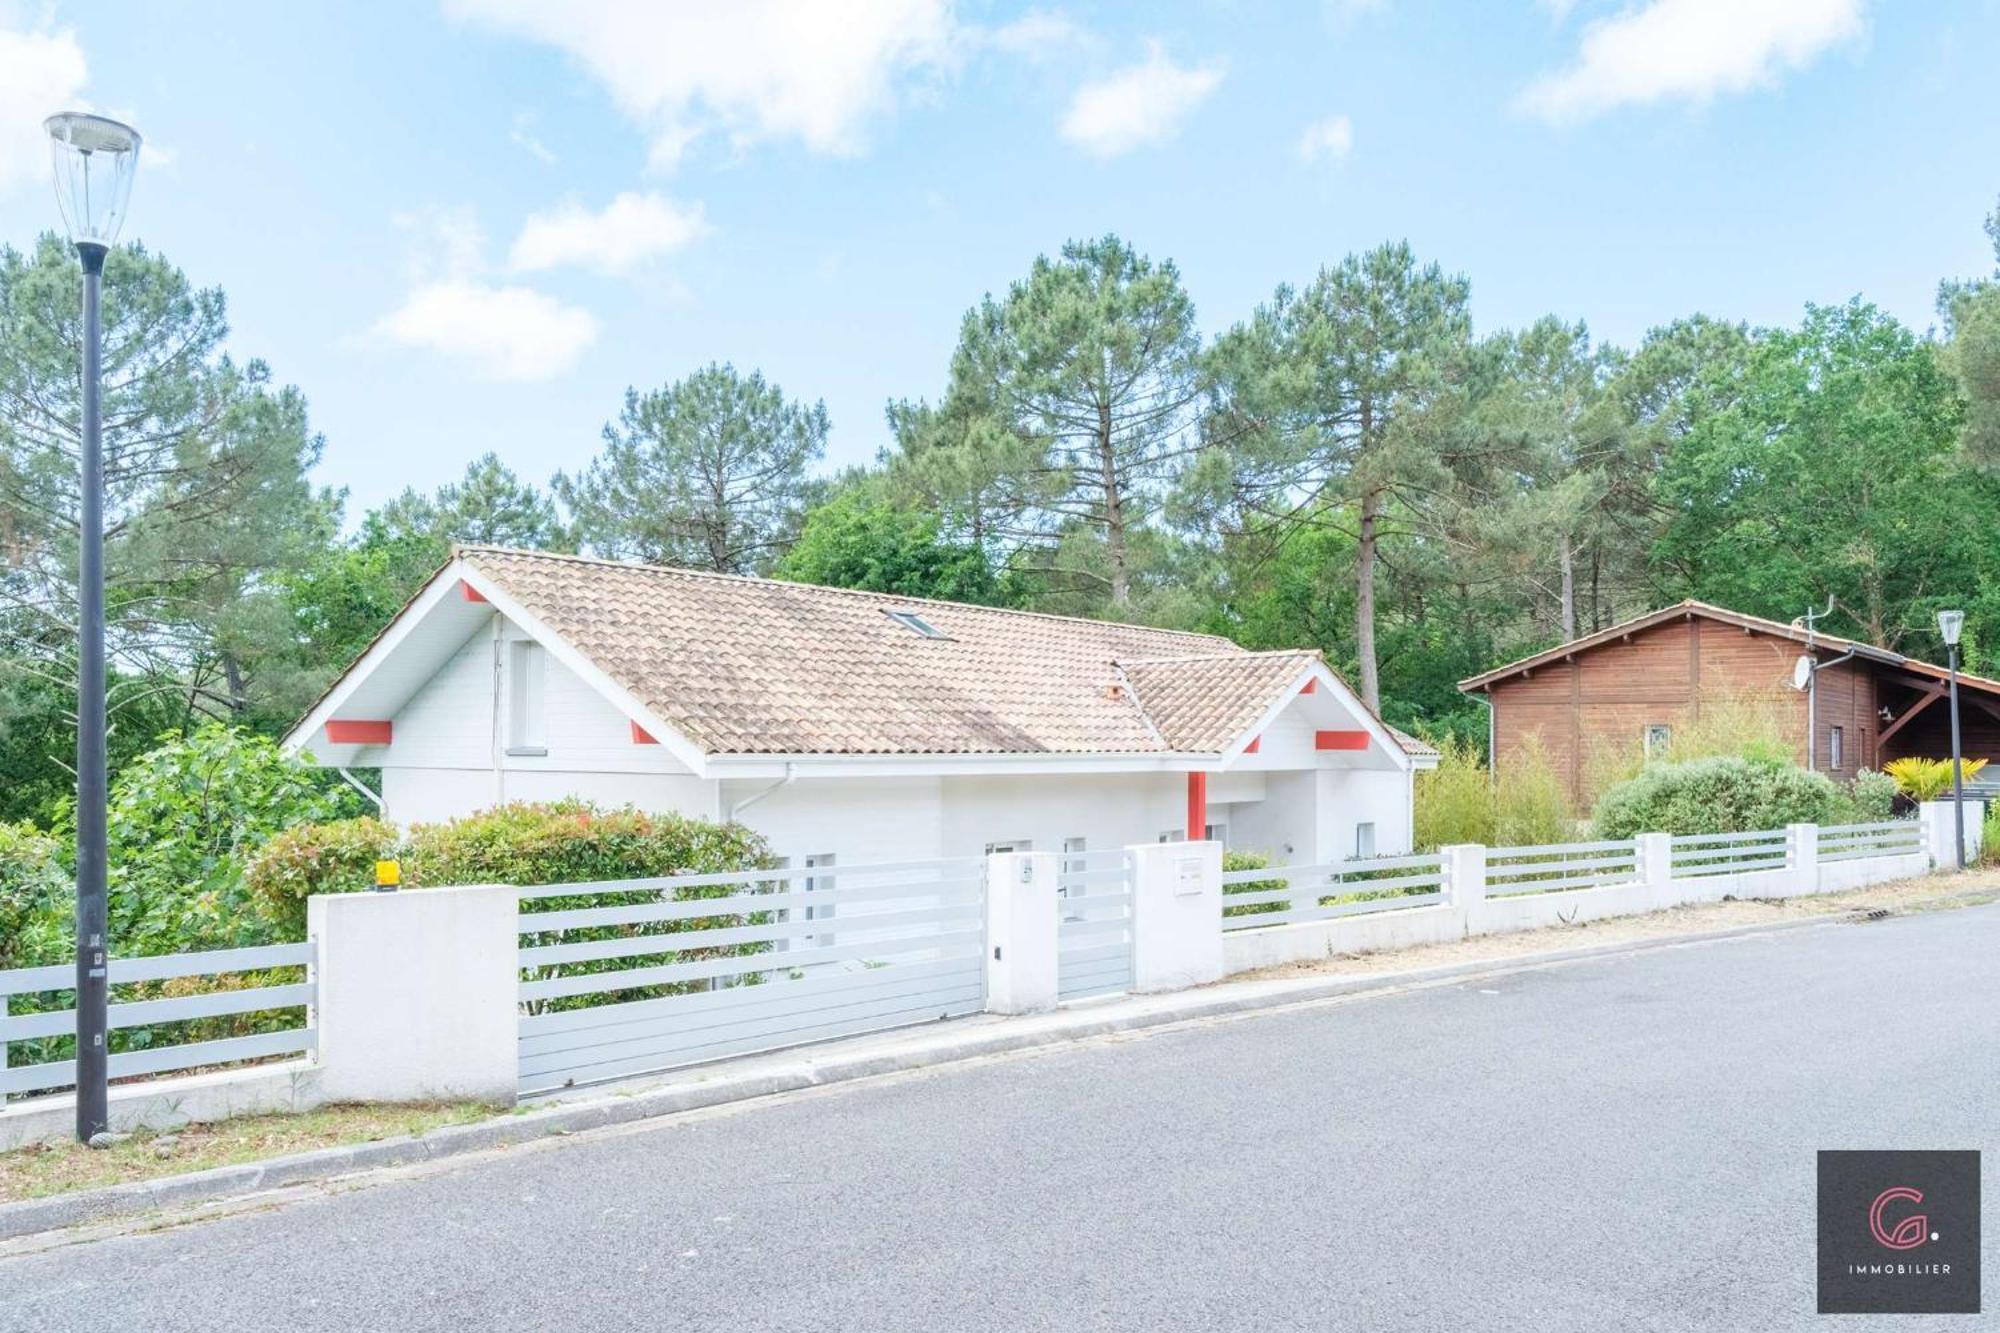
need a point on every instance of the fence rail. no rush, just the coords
(1280, 895)
(1853, 842)
(49, 1025)
(1694, 855)
(1556, 866)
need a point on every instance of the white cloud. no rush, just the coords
(756, 70)
(1138, 105)
(41, 72)
(632, 229)
(523, 137)
(1035, 35)
(514, 334)
(1332, 137)
(1690, 50)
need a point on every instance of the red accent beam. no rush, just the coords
(1197, 823)
(1256, 744)
(1310, 686)
(350, 731)
(640, 736)
(1340, 740)
(470, 593)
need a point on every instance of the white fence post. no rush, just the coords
(1802, 858)
(1021, 932)
(1654, 860)
(1464, 867)
(418, 994)
(1176, 915)
(1935, 816)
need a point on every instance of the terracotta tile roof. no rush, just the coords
(1205, 703)
(756, 666)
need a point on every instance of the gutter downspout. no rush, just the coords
(791, 776)
(1492, 740)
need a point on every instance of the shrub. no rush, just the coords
(1531, 803)
(1923, 779)
(185, 817)
(573, 842)
(1721, 795)
(1871, 798)
(336, 857)
(35, 898)
(1455, 800)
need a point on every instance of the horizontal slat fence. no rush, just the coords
(1279, 895)
(1697, 854)
(630, 976)
(1555, 866)
(1852, 842)
(234, 1005)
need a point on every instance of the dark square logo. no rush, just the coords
(1898, 1232)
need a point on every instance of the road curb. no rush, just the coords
(816, 1067)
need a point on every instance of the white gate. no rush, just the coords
(1094, 924)
(690, 968)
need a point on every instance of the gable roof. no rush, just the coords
(1818, 639)
(747, 666)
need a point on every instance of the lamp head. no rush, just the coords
(1950, 623)
(95, 158)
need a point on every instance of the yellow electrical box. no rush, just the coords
(388, 874)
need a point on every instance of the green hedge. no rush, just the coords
(1723, 795)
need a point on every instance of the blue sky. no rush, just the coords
(470, 226)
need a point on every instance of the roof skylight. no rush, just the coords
(910, 620)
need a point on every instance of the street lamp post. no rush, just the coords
(94, 161)
(1950, 623)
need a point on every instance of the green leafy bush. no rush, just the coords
(336, 857)
(184, 819)
(1723, 795)
(1531, 802)
(1455, 801)
(1871, 798)
(36, 898)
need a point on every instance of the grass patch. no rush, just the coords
(56, 1168)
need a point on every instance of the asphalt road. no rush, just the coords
(1621, 1144)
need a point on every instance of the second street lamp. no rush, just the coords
(94, 161)
(1950, 623)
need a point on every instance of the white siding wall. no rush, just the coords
(1347, 797)
(859, 820)
(1282, 826)
(1111, 810)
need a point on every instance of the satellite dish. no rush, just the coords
(1802, 672)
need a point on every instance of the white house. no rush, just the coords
(854, 726)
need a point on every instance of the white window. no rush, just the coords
(1364, 840)
(1006, 845)
(1834, 748)
(910, 620)
(526, 673)
(1659, 739)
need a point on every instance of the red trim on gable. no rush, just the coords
(1309, 687)
(470, 593)
(350, 731)
(1197, 811)
(640, 736)
(1340, 740)
(1256, 744)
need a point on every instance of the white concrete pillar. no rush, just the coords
(1021, 932)
(1464, 866)
(418, 994)
(1176, 915)
(1802, 858)
(1935, 817)
(1656, 869)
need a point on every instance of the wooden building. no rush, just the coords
(1613, 695)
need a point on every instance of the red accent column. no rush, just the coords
(1340, 740)
(1197, 825)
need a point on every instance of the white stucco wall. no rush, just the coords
(1108, 810)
